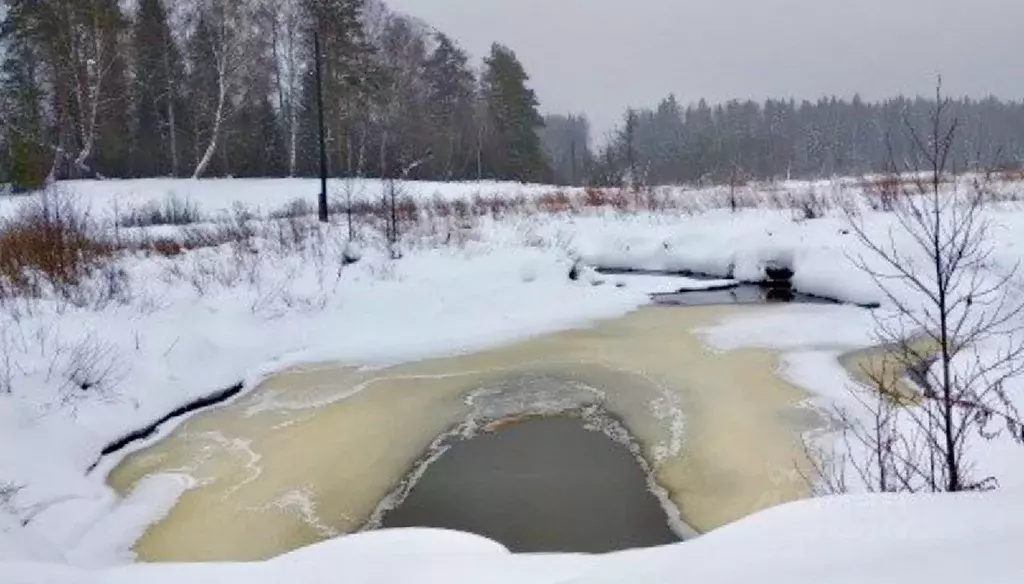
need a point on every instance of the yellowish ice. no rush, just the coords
(311, 453)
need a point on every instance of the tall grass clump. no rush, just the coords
(173, 210)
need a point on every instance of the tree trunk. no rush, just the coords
(479, 156)
(211, 148)
(173, 135)
(383, 154)
(349, 155)
(361, 164)
(172, 120)
(285, 105)
(89, 140)
(94, 82)
(293, 144)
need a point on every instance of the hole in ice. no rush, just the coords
(541, 485)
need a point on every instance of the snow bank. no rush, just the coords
(740, 246)
(879, 539)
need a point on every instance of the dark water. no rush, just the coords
(740, 294)
(543, 485)
(768, 292)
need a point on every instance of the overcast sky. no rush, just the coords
(599, 56)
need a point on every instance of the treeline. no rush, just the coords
(782, 139)
(213, 88)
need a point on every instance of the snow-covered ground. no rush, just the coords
(217, 197)
(178, 328)
(857, 539)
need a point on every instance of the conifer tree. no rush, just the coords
(514, 150)
(26, 157)
(450, 92)
(349, 78)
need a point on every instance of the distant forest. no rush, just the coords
(215, 88)
(780, 139)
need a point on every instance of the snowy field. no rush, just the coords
(150, 332)
(214, 199)
(218, 197)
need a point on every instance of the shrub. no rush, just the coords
(165, 246)
(49, 243)
(557, 202)
(812, 205)
(172, 211)
(304, 208)
(594, 197)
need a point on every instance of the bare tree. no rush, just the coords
(285, 17)
(230, 32)
(393, 191)
(738, 177)
(955, 328)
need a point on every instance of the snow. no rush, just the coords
(794, 327)
(431, 304)
(820, 371)
(218, 197)
(104, 542)
(883, 539)
(655, 284)
(739, 246)
(212, 318)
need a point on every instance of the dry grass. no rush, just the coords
(50, 245)
(810, 201)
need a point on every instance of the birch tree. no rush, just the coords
(79, 47)
(285, 21)
(225, 32)
(92, 36)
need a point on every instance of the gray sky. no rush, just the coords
(599, 56)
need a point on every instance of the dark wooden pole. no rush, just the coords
(323, 147)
